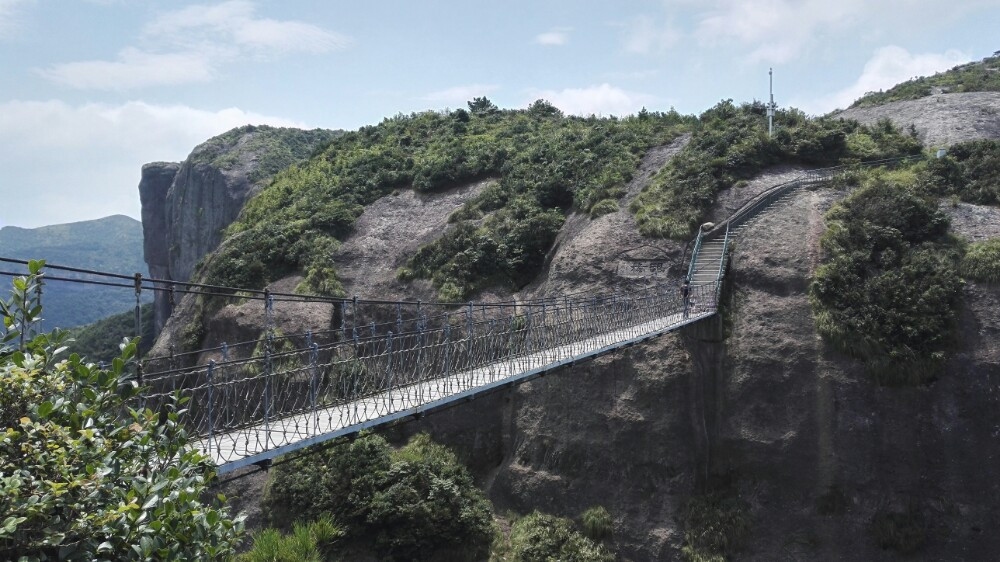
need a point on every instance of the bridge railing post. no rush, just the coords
(314, 385)
(211, 405)
(447, 352)
(390, 373)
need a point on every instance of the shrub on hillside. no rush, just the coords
(982, 261)
(597, 523)
(308, 542)
(82, 476)
(716, 526)
(888, 289)
(539, 536)
(413, 503)
(970, 171)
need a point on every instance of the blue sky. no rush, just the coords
(92, 89)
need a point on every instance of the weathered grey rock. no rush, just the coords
(157, 177)
(186, 207)
(940, 120)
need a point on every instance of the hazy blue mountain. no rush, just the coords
(110, 244)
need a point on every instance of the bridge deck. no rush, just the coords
(267, 440)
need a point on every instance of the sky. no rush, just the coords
(93, 89)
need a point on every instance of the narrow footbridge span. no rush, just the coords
(387, 361)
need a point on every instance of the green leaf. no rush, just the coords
(45, 408)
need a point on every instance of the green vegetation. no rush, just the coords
(970, 171)
(414, 503)
(308, 542)
(271, 149)
(730, 144)
(982, 261)
(982, 76)
(83, 477)
(902, 531)
(888, 290)
(543, 163)
(716, 526)
(538, 536)
(597, 523)
(109, 244)
(101, 340)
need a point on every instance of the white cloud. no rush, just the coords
(644, 35)
(557, 36)
(458, 95)
(774, 30)
(779, 31)
(9, 11)
(887, 67)
(83, 161)
(236, 22)
(603, 99)
(190, 44)
(133, 69)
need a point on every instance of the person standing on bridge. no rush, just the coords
(685, 293)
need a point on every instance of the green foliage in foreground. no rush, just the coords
(100, 341)
(82, 476)
(970, 171)
(414, 503)
(889, 287)
(542, 163)
(539, 536)
(308, 542)
(982, 76)
(730, 144)
(716, 526)
(982, 261)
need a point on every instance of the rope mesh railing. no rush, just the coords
(248, 409)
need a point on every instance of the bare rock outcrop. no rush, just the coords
(186, 207)
(940, 120)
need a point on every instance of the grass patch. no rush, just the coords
(982, 261)
(539, 536)
(716, 526)
(902, 531)
(970, 172)
(597, 523)
(308, 542)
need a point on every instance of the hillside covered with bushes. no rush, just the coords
(979, 76)
(544, 165)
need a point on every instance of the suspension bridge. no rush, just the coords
(388, 361)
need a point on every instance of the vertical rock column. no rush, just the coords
(157, 178)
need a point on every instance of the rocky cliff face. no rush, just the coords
(940, 120)
(186, 206)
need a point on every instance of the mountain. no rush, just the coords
(112, 244)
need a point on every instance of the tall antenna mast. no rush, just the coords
(771, 106)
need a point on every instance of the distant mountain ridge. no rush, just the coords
(108, 244)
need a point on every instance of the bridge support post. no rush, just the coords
(211, 405)
(314, 387)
